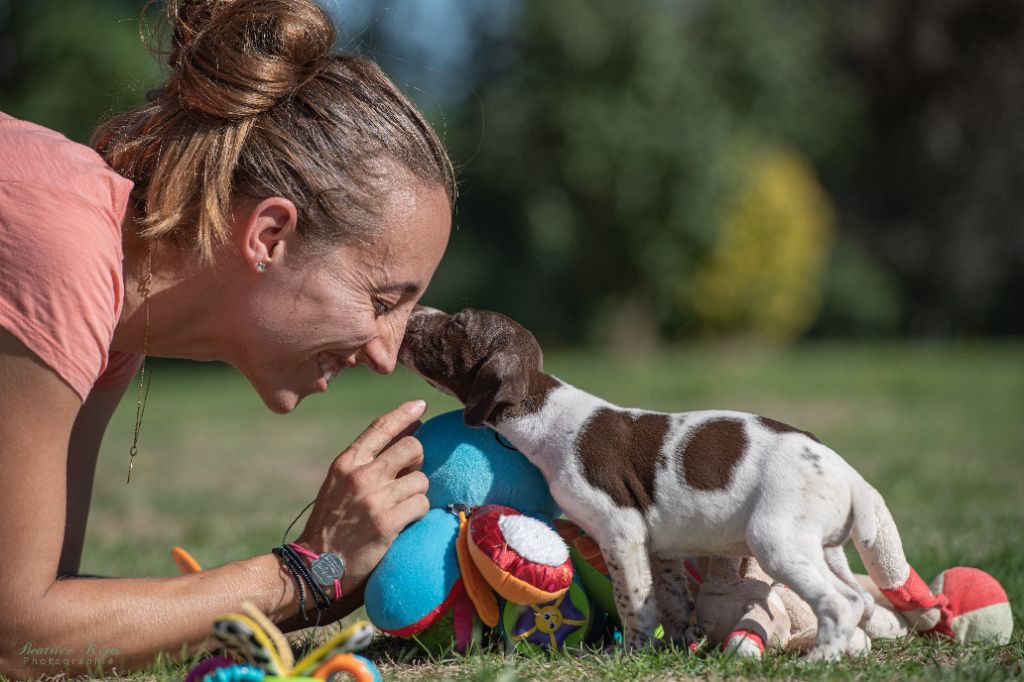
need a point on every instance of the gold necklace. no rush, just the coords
(143, 394)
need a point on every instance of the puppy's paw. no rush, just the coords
(860, 643)
(694, 638)
(823, 653)
(635, 640)
(690, 639)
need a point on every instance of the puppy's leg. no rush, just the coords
(860, 601)
(673, 600)
(630, 572)
(797, 560)
(840, 567)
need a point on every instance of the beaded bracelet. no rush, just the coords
(296, 578)
(319, 596)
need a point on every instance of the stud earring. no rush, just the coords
(261, 266)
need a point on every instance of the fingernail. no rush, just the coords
(416, 407)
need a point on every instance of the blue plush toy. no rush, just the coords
(485, 554)
(476, 466)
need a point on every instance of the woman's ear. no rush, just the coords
(268, 230)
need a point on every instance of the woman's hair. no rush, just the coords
(256, 104)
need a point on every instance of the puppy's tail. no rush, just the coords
(879, 545)
(865, 501)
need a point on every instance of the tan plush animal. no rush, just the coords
(741, 609)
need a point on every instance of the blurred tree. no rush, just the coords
(765, 272)
(612, 137)
(66, 65)
(933, 190)
(606, 147)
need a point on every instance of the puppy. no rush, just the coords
(652, 488)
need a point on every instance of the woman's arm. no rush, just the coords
(83, 448)
(49, 626)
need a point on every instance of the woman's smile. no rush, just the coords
(330, 365)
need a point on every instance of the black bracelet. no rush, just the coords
(286, 559)
(319, 596)
(295, 565)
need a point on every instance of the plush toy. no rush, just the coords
(486, 554)
(740, 608)
(256, 651)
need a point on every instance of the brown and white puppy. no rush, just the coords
(652, 488)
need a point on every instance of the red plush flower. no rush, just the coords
(521, 557)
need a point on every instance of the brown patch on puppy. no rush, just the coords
(619, 453)
(779, 427)
(710, 453)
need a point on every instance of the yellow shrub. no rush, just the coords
(764, 275)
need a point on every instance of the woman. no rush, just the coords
(274, 206)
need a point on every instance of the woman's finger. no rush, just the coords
(404, 487)
(383, 430)
(409, 510)
(406, 454)
(407, 431)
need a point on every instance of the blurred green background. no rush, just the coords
(644, 172)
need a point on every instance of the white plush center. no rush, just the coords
(533, 540)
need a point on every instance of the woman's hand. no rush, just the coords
(373, 490)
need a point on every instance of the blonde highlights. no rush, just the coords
(257, 105)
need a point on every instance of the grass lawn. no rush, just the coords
(938, 429)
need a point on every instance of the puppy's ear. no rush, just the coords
(501, 380)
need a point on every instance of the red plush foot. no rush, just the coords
(976, 606)
(913, 595)
(744, 643)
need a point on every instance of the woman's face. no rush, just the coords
(312, 316)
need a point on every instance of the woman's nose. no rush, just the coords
(379, 355)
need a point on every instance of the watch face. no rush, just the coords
(328, 568)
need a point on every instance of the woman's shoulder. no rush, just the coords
(59, 200)
(61, 284)
(41, 158)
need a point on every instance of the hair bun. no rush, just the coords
(233, 59)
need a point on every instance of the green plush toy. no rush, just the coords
(485, 555)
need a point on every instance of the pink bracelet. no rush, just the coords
(315, 557)
(303, 551)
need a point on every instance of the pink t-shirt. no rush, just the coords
(61, 285)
